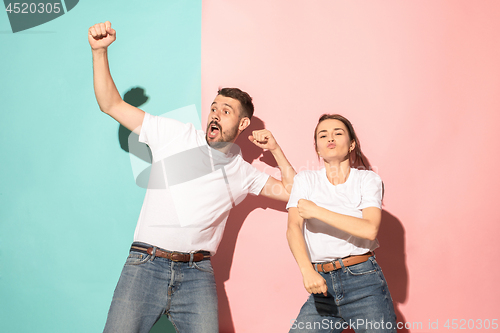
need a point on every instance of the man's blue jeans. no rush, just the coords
(358, 297)
(150, 286)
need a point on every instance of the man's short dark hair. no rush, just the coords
(243, 97)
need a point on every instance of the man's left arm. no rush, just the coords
(275, 189)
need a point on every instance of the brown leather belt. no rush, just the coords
(348, 261)
(174, 256)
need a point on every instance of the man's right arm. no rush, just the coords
(100, 36)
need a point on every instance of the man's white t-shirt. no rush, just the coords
(191, 188)
(362, 189)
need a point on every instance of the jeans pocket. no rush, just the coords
(204, 266)
(137, 258)
(363, 268)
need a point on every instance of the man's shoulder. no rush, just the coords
(243, 165)
(164, 122)
(249, 171)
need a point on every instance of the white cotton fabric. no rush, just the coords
(362, 189)
(191, 188)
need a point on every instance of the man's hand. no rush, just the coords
(264, 139)
(101, 36)
(307, 209)
(314, 282)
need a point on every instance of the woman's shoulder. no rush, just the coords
(309, 173)
(366, 175)
(308, 176)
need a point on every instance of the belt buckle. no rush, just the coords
(175, 253)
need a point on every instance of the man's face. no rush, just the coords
(223, 121)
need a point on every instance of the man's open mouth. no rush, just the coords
(213, 130)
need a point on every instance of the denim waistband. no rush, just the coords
(146, 245)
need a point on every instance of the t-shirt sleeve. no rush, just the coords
(299, 190)
(372, 191)
(254, 179)
(158, 131)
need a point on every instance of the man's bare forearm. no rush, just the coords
(104, 87)
(287, 171)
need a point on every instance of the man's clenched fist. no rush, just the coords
(101, 35)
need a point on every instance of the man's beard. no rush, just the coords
(224, 138)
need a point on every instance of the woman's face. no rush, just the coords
(332, 140)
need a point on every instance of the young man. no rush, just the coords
(195, 180)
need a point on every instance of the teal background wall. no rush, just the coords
(68, 199)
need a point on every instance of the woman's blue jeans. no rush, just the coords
(358, 297)
(150, 286)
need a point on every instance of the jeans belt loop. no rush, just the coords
(153, 255)
(191, 258)
(341, 264)
(316, 267)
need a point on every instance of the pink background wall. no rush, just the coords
(420, 80)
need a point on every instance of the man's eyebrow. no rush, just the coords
(225, 104)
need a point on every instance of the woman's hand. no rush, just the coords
(307, 209)
(314, 282)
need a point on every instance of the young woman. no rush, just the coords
(333, 219)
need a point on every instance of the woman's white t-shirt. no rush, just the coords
(362, 189)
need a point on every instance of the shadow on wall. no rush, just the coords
(392, 259)
(223, 260)
(135, 97)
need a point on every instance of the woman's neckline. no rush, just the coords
(345, 182)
